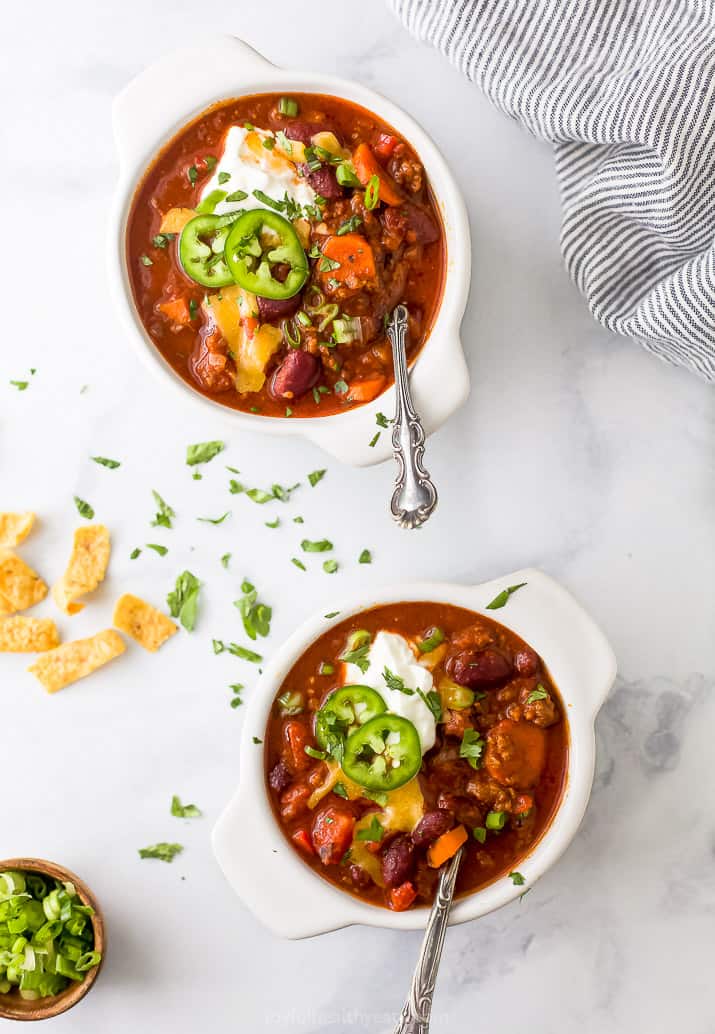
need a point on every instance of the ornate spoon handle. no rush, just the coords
(415, 1015)
(415, 497)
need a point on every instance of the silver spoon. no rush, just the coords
(415, 1015)
(415, 497)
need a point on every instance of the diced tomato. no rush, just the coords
(400, 898)
(294, 801)
(332, 833)
(296, 737)
(386, 144)
(177, 311)
(523, 804)
(301, 838)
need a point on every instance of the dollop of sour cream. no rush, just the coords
(247, 165)
(392, 651)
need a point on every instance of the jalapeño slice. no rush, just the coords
(201, 249)
(259, 241)
(383, 754)
(343, 712)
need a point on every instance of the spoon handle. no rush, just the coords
(415, 1015)
(415, 496)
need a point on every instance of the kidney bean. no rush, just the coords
(280, 777)
(479, 668)
(360, 878)
(296, 375)
(420, 225)
(302, 131)
(526, 662)
(397, 861)
(277, 308)
(323, 181)
(432, 825)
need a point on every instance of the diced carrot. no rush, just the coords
(402, 897)
(446, 846)
(365, 391)
(366, 166)
(355, 258)
(301, 838)
(177, 310)
(386, 144)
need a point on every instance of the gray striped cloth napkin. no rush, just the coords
(625, 91)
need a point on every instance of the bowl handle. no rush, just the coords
(164, 96)
(266, 872)
(350, 441)
(546, 613)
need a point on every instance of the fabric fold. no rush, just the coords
(625, 92)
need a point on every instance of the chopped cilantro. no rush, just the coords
(183, 601)
(202, 452)
(501, 598)
(373, 833)
(215, 520)
(161, 550)
(321, 546)
(256, 616)
(164, 512)
(104, 462)
(394, 682)
(83, 508)
(183, 811)
(472, 747)
(537, 694)
(163, 852)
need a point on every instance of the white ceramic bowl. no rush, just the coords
(284, 892)
(154, 107)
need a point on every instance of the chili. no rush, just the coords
(497, 766)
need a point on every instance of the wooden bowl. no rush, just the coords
(12, 1006)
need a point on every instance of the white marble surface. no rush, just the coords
(612, 450)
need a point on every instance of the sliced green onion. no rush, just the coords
(345, 175)
(495, 820)
(287, 106)
(46, 940)
(435, 637)
(328, 312)
(292, 703)
(313, 300)
(291, 333)
(372, 192)
(347, 329)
